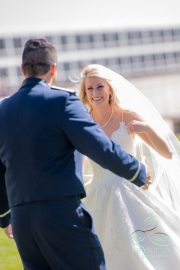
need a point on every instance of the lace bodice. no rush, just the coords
(124, 139)
(127, 143)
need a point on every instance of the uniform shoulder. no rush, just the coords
(53, 87)
(2, 100)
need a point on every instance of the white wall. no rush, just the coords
(163, 91)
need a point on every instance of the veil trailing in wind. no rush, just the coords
(165, 173)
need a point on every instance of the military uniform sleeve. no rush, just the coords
(89, 139)
(4, 207)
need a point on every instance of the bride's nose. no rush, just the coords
(97, 90)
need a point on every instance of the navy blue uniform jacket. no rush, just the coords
(43, 130)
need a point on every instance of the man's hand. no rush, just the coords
(148, 176)
(8, 231)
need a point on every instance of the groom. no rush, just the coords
(43, 130)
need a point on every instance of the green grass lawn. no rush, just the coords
(178, 136)
(9, 257)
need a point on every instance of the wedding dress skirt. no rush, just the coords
(137, 230)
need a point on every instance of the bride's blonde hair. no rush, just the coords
(95, 70)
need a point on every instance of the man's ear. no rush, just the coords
(22, 70)
(53, 69)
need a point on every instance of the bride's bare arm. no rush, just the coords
(149, 135)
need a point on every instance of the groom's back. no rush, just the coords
(34, 147)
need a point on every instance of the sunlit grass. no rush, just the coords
(9, 257)
(178, 136)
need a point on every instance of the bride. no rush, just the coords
(138, 229)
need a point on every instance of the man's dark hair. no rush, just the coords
(38, 57)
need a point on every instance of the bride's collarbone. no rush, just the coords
(113, 127)
(115, 123)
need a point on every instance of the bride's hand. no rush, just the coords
(137, 127)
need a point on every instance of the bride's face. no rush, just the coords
(97, 91)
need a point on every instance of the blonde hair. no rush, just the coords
(99, 71)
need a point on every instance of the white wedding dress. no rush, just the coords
(137, 230)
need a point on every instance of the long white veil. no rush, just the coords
(165, 173)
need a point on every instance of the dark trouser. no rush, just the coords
(56, 235)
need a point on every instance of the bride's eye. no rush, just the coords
(100, 86)
(89, 88)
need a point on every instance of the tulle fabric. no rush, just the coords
(138, 229)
